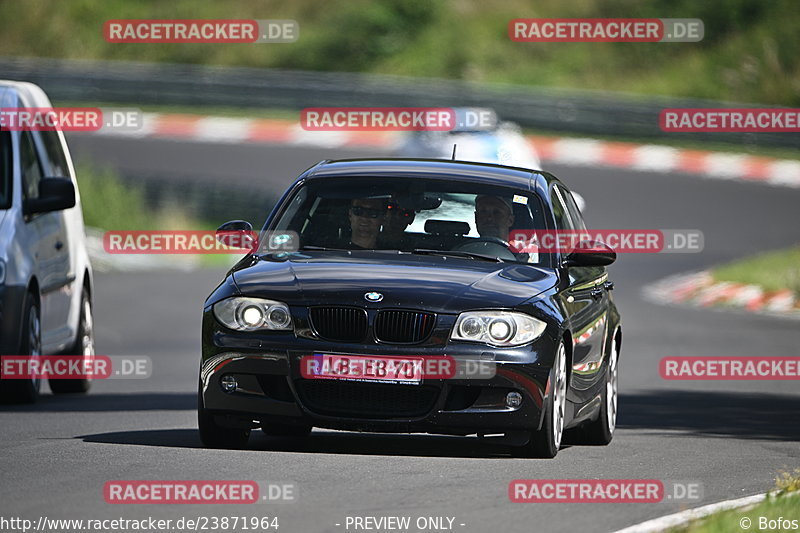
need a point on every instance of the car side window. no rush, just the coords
(563, 221)
(55, 154)
(572, 209)
(6, 172)
(30, 166)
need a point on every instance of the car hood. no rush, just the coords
(438, 284)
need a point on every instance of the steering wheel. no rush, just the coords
(494, 246)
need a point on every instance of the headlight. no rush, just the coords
(498, 328)
(250, 314)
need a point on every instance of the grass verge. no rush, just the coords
(748, 53)
(109, 203)
(772, 271)
(779, 512)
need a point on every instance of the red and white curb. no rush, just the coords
(684, 517)
(699, 289)
(561, 150)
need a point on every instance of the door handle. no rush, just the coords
(59, 245)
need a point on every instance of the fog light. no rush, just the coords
(228, 383)
(513, 399)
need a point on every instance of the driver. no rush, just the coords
(366, 217)
(493, 216)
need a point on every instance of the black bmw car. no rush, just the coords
(394, 302)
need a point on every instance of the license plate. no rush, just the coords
(405, 370)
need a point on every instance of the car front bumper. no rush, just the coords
(271, 388)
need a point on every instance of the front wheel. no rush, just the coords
(84, 345)
(601, 431)
(546, 441)
(213, 435)
(27, 390)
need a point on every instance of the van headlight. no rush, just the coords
(243, 313)
(497, 328)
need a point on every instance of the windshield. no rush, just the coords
(422, 216)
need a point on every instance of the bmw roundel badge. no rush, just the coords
(373, 296)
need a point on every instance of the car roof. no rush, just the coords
(30, 93)
(487, 173)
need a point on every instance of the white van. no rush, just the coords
(45, 275)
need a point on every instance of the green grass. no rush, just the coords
(749, 53)
(109, 204)
(783, 505)
(772, 271)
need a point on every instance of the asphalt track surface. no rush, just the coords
(730, 436)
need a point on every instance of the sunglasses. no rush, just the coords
(359, 211)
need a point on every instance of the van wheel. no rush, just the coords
(84, 345)
(27, 390)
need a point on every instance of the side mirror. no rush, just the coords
(237, 234)
(589, 254)
(55, 194)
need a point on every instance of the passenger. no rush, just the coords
(393, 236)
(366, 217)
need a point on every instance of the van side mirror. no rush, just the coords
(55, 194)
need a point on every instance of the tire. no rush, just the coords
(27, 390)
(545, 442)
(84, 345)
(601, 431)
(212, 435)
(286, 430)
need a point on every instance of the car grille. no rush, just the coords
(403, 326)
(366, 400)
(344, 324)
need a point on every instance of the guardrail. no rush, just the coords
(554, 110)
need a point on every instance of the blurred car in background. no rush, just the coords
(487, 140)
(483, 141)
(45, 274)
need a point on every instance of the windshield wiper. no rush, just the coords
(458, 253)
